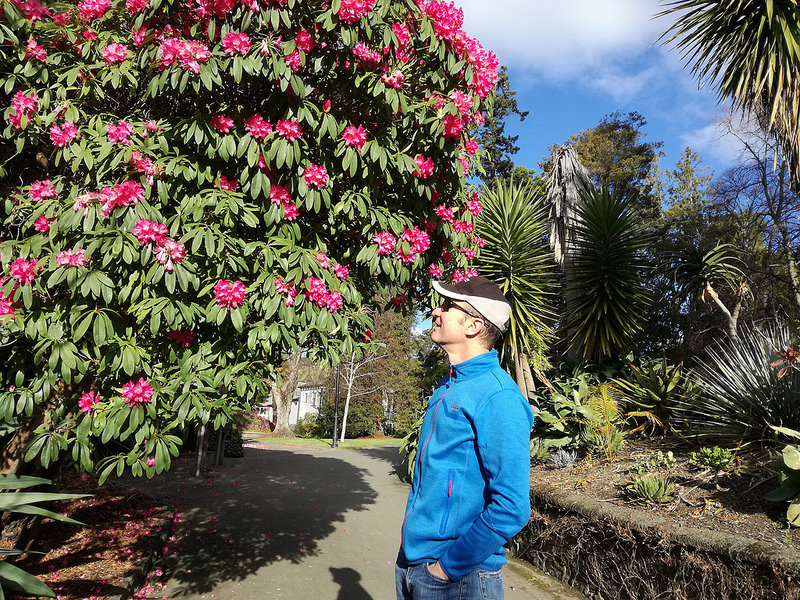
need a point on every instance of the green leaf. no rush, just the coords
(27, 582)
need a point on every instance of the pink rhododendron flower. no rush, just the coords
(458, 276)
(139, 36)
(22, 105)
(135, 394)
(72, 258)
(291, 130)
(88, 400)
(471, 147)
(170, 253)
(136, 6)
(290, 211)
(471, 272)
(229, 294)
(222, 123)
(435, 271)
(63, 134)
(424, 167)
(236, 43)
(326, 106)
(114, 53)
(93, 9)
(288, 289)
(6, 308)
(453, 127)
(446, 256)
(150, 231)
(386, 242)
(184, 339)
(402, 33)
(33, 10)
(89, 35)
(354, 136)
(82, 202)
(303, 41)
(398, 300)
(320, 295)
(227, 185)
(119, 132)
(462, 101)
(368, 58)
(322, 259)
(445, 213)
(34, 49)
(24, 270)
(334, 302)
(340, 271)
(144, 164)
(258, 127)
(151, 461)
(42, 224)
(119, 196)
(188, 54)
(394, 79)
(279, 194)
(351, 11)
(293, 60)
(474, 206)
(479, 241)
(463, 227)
(419, 240)
(447, 18)
(41, 190)
(469, 253)
(316, 176)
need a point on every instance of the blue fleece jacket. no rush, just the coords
(471, 488)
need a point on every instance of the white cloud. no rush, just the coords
(623, 87)
(562, 39)
(717, 141)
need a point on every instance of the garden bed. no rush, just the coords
(717, 538)
(110, 557)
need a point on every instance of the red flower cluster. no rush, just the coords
(424, 167)
(354, 136)
(24, 270)
(72, 258)
(41, 190)
(303, 41)
(88, 400)
(229, 294)
(170, 253)
(42, 224)
(257, 127)
(184, 339)
(224, 124)
(114, 53)
(121, 195)
(135, 394)
(236, 43)
(93, 9)
(188, 54)
(351, 11)
(119, 132)
(368, 58)
(316, 176)
(320, 295)
(150, 231)
(63, 134)
(283, 287)
(280, 195)
(386, 242)
(291, 130)
(394, 79)
(34, 49)
(22, 105)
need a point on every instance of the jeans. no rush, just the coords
(418, 583)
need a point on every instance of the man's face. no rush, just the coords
(450, 322)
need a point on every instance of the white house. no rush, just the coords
(307, 399)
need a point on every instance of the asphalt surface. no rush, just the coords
(298, 523)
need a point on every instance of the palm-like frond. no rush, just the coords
(567, 182)
(750, 50)
(697, 272)
(516, 257)
(605, 290)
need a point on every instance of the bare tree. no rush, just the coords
(356, 370)
(282, 388)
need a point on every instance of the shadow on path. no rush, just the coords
(388, 454)
(272, 505)
(348, 579)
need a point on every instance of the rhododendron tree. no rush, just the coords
(194, 189)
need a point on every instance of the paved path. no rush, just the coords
(297, 523)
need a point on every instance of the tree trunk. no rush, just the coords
(346, 410)
(282, 396)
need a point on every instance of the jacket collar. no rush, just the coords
(474, 366)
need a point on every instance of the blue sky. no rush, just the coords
(574, 61)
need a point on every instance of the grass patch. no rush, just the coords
(326, 443)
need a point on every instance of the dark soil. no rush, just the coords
(731, 502)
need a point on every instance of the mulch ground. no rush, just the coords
(730, 502)
(125, 530)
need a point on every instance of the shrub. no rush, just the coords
(193, 189)
(655, 460)
(739, 395)
(717, 459)
(308, 426)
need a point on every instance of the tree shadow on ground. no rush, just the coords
(272, 505)
(387, 454)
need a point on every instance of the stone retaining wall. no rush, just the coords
(609, 552)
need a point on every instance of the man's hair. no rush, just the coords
(490, 335)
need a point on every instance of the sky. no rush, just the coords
(574, 61)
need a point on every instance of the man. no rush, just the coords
(471, 488)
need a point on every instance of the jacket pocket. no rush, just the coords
(448, 503)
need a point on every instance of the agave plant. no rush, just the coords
(12, 500)
(606, 295)
(517, 258)
(656, 386)
(738, 393)
(650, 489)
